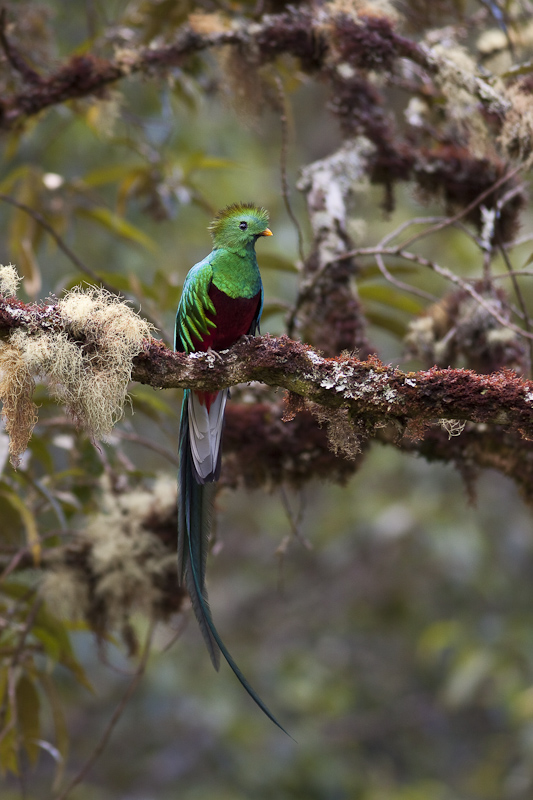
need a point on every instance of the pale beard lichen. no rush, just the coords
(131, 566)
(88, 363)
(66, 595)
(18, 408)
(516, 136)
(456, 79)
(16, 382)
(364, 8)
(453, 427)
(109, 335)
(120, 563)
(9, 280)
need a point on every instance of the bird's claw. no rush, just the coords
(214, 354)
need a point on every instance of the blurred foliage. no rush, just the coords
(388, 624)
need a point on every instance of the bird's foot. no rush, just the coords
(213, 354)
(247, 337)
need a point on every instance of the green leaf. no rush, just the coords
(140, 180)
(8, 748)
(12, 142)
(24, 233)
(118, 282)
(390, 296)
(41, 451)
(3, 683)
(28, 520)
(470, 671)
(528, 262)
(118, 225)
(28, 705)
(387, 322)
(438, 637)
(60, 726)
(165, 293)
(11, 522)
(54, 636)
(371, 271)
(10, 180)
(111, 174)
(151, 403)
(518, 69)
(276, 307)
(17, 591)
(202, 161)
(276, 262)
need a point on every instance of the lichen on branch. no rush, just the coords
(83, 346)
(89, 345)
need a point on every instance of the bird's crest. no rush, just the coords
(235, 210)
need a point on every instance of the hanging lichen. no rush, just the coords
(86, 356)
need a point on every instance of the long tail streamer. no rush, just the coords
(194, 520)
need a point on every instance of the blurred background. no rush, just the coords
(386, 622)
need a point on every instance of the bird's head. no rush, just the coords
(239, 225)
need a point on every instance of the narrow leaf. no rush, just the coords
(118, 225)
(54, 636)
(278, 263)
(110, 174)
(28, 520)
(390, 296)
(28, 705)
(8, 748)
(387, 322)
(60, 725)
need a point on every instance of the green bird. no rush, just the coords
(221, 301)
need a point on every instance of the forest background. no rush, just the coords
(371, 568)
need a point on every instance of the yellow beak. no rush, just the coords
(266, 232)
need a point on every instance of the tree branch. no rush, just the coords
(372, 392)
(365, 42)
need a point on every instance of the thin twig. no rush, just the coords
(283, 166)
(177, 633)
(520, 240)
(59, 241)
(14, 562)
(401, 285)
(408, 223)
(465, 211)
(70, 253)
(440, 224)
(528, 273)
(295, 520)
(13, 56)
(400, 252)
(119, 710)
(10, 701)
(519, 297)
(467, 287)
(28, 624)
(444, 272)
(144, 442)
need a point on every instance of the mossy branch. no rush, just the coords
(370, 390)
(316, 38)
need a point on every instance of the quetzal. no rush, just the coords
(221, 301)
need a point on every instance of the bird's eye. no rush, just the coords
(243, 225)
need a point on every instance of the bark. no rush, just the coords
(315, 38)
(352, 399)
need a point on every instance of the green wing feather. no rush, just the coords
(195, 304)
